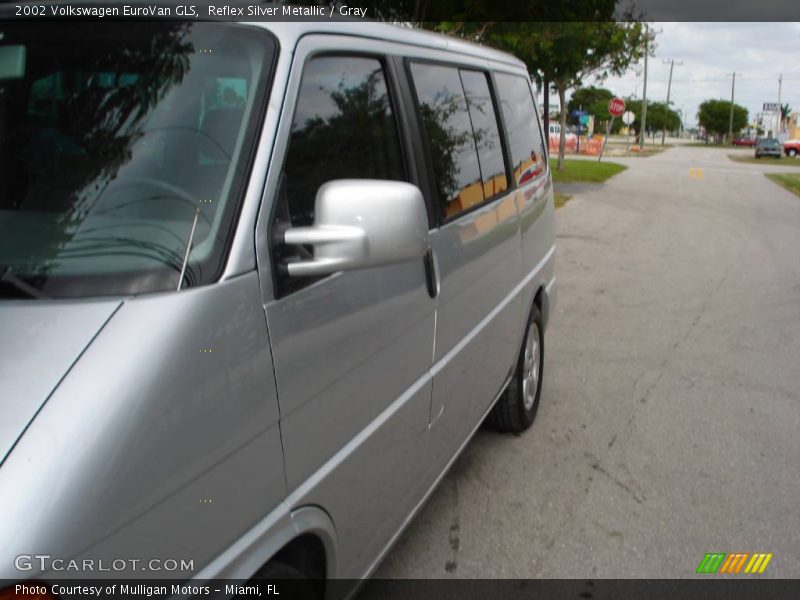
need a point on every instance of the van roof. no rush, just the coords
(289, 32)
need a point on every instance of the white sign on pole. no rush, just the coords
(628, 117)
(771, 119)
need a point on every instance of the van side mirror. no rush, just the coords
(361, 223)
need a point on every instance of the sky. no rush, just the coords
(710, 53)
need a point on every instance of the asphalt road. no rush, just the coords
(669, 423)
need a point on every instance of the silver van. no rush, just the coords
(259, 285)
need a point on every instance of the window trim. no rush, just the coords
(545, 140)
(441, 219)
(415, 167)
(508, 161)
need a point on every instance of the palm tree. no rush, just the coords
(786, 110)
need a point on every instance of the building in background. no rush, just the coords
(770, 119)
(793, 126)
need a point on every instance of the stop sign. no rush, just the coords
(616, 106)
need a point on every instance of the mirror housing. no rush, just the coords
(361, 223)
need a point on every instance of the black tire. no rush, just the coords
(289, 581)
(511, 414)
(792, 152)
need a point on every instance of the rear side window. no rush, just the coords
(463, 136)
(343, 128)
(487, 133)
(524, 136)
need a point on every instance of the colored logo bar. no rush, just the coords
(734, 563)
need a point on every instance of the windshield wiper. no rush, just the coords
(21, 286)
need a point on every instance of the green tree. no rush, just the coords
(714, 117)
(475, 17)
(593, 100)
(786, 112)
(568, 53)
(658, 116)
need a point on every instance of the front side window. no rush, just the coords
(112, 139)
(522, 126)
(344, 127)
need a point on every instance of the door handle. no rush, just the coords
(431, 273)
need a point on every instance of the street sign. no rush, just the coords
(772, 107)
(579, 113)
(616, 106)
(628, 117)
(584, 119)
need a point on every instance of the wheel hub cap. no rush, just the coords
(531, 364)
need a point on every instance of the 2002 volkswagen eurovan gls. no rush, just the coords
(260, 285)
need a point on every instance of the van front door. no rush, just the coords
(352, 351)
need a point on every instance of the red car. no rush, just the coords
(744, 142)
(791, 147)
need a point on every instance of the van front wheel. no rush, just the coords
(288, 578)
(516, 408)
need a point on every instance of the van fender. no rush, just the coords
(242, 559)
(315, 521)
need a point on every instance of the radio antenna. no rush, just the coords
(188, 248)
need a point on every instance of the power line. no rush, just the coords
(724, 79)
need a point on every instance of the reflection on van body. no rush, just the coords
(259, 284)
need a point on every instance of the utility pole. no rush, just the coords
(546, 111)
(780, 106)
(730, 123)
(643, 125)
(669, 88)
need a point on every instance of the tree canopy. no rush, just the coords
(714, 117)
(658, 116)
(476, 14)
(593, 100)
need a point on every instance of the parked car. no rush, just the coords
(791, 148)
(255, 302)
(768, 147)
(744, 142)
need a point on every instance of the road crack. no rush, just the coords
(639, 497)
(454, 535)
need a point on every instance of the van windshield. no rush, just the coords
(114, 141)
